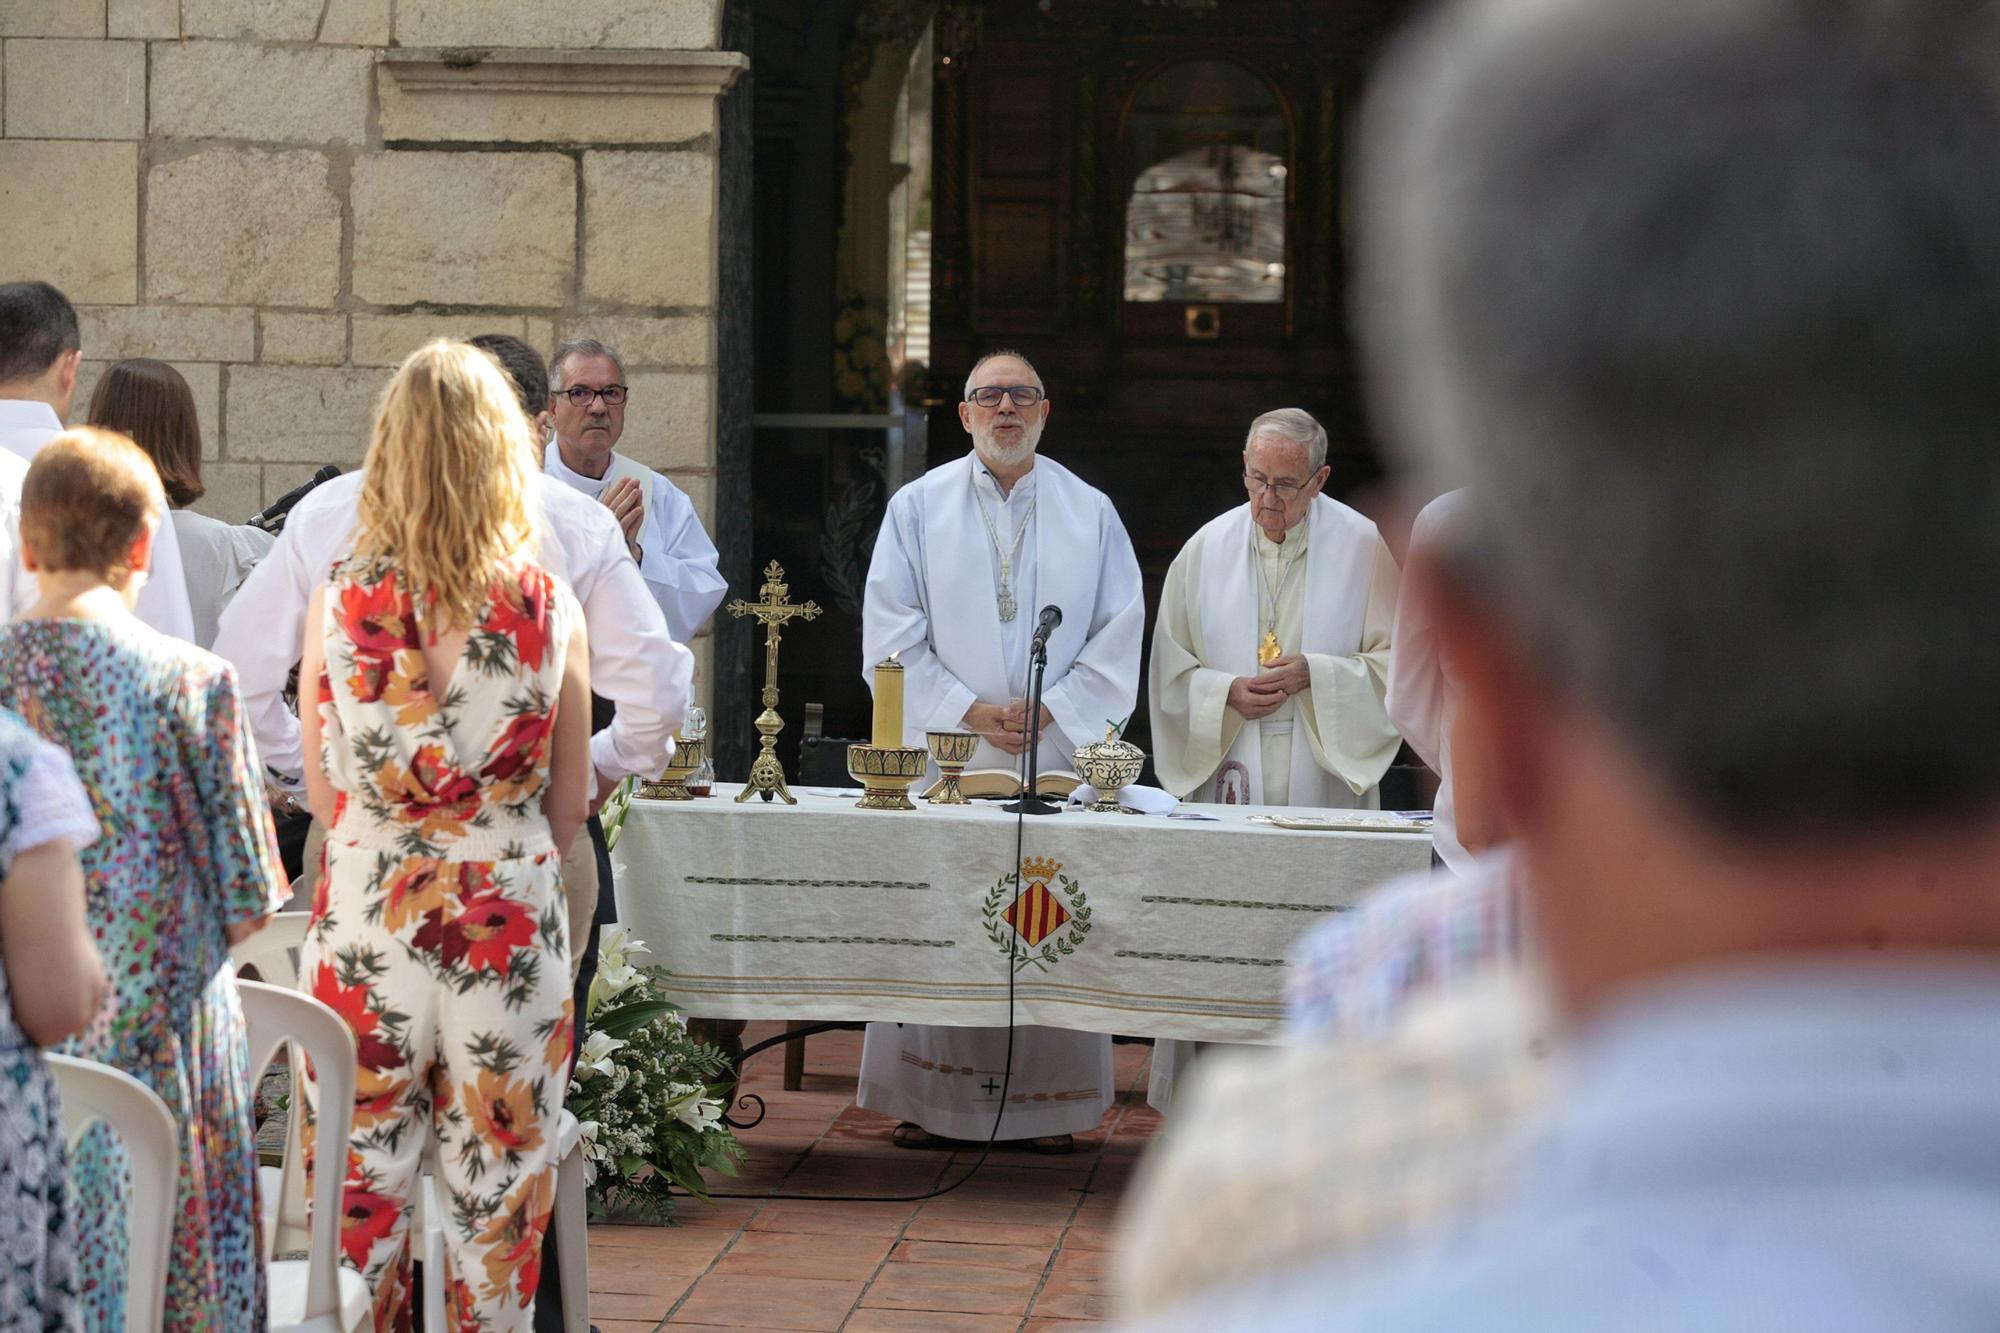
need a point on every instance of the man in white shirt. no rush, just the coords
(968, 555)
(633, 661)
(587, 397)
(40, 350)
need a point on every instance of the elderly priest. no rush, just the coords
(967, 557)
(1271, 653)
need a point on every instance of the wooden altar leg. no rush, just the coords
(795, 1058)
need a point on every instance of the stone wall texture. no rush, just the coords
(283, 198)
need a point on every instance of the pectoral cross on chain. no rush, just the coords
(767, 775)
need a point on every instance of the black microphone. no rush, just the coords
(1051, 617)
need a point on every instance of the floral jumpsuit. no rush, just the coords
(440, 934)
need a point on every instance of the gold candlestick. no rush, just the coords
(767, 775)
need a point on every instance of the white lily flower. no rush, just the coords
(699, 1114)
(593, 1153)
(596, 1053)
(610, 982)
(616, 945)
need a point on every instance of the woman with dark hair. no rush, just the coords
(150, 402)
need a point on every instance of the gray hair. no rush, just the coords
(1703, 303)
(1294, 424)
(576, 347)
(998, 352)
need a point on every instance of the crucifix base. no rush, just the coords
(767, 775)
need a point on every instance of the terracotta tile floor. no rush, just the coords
(1022, 1246)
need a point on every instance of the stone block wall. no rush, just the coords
(283, 198)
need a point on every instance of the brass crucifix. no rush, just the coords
(767, 775)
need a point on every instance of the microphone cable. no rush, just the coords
(1013, 1026)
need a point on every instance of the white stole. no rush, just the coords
(958, 591)
(1340, 563)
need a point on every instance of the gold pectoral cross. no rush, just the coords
(1269, 651)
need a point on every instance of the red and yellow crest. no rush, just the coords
(1050, 914)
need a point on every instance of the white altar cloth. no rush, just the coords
(1146, 926)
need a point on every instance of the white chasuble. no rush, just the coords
(933, 599)
(1330, 744)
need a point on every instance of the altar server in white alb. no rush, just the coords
(587, 398)
(967, 557)
(1423, 698)
(1271, 650)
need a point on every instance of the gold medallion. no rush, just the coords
(1269, 651)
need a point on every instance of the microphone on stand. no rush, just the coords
(1038, 663)
(1051, 617)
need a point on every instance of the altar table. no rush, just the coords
(1141, 925)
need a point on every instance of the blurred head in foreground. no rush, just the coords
(91, 506)
(1702, 303)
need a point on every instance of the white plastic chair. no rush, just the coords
(315, 1294)
(274, 952)
(571, 1223)
(92, 1092)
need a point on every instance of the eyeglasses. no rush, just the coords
(1024, 395)
(581, 394)
(1284, 490)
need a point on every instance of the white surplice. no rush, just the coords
(25, 426)
(633, 661)
(677, 559)
(1333, 585)
(1330, 744)
(1423, 702)
(933, 599)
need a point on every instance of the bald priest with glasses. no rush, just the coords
(587, 400)
(1271, 652)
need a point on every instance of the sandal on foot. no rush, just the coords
(912, 1135)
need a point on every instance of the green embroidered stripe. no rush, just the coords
(1231, 902)
(1199, 958)
(810, 883)
(832, 939)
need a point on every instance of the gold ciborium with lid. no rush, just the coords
(1108, 765)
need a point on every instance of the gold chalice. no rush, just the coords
(671, 785)
(886, 771)
(952, 750)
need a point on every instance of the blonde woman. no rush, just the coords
(445, 689)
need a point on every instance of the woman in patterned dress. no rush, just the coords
(51, 982)
(444, 686)
(186, 866)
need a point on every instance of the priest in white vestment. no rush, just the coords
(1271, 653)
(587, 398)
(1271, 650)
(967, 557)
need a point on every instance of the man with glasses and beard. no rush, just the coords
(967, 557)
(1271, 653)
(587, 398)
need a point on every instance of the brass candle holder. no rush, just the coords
(671, 785)
(886, 772)
(952, 750)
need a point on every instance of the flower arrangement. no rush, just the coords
(644, 1092)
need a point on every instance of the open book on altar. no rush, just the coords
(1001, 782)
